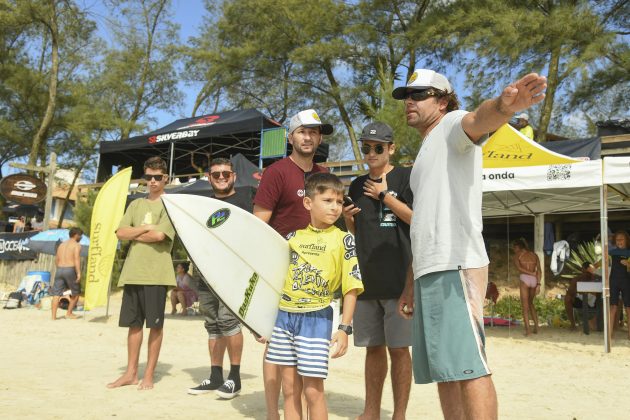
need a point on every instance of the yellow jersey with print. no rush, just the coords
(322, 260)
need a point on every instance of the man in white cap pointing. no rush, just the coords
(450, 264)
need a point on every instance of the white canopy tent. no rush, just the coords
(522, 178)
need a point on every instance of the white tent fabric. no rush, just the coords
(522, 178)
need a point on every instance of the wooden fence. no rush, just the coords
(12, 271)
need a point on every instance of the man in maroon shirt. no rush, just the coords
(279, 202)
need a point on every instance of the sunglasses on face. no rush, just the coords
(378, 149)
(218, 174)
(148, 177)
(419, 95)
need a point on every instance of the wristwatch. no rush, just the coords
(381, 195)
(345, 328)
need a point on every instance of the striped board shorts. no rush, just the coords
(302, 339)
(448, 335)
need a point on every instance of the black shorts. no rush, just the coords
(620, 286)
(140, 303)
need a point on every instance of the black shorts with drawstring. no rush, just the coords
(140, 303)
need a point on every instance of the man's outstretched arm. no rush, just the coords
(493, 113)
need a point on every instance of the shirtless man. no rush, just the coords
(68, 275)
(528, 265)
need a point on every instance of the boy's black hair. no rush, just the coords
(585, 265)
(321, 182)
(75, 231)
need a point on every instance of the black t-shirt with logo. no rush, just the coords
(243, 198)
(382, 240)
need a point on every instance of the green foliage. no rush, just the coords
(509, 307)
(292, 55)
(497, 41)
(549, 308)
(584, 252)
(83, 211)
(392, 112)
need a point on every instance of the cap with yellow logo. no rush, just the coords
(422, 79)
(309, 118)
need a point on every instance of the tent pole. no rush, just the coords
(170, 163)
(539, 241)
(603, 201)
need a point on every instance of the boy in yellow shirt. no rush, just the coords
(323, 258)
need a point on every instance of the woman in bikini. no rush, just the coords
(528, 265)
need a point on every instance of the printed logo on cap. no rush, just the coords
(316, 117)
(372, 131)
(413, 77)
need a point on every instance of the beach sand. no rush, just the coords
(60, 369)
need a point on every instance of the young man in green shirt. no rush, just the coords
(146, 274)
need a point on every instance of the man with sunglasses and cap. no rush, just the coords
(379, 218)
(279, 202)
(450, 264)
(224, 329)
(146, 274)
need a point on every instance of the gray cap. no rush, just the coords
(377, 131)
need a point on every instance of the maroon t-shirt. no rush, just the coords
(281, 190)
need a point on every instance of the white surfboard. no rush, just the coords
(243, 260)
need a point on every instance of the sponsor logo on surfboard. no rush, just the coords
(217, 218)
(249, 292)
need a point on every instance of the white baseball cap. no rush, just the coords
(423, 79)
(523, 116)
(308, 118)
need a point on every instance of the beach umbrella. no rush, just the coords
(46, 242)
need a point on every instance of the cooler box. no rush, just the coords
(43, 276)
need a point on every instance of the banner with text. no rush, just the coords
(512, 161)
(13, 246)
(106, 214)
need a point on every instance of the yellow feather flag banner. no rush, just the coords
(106, 214)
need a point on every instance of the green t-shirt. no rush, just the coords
(148, 263)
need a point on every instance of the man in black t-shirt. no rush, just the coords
(379, 219)
(224, 329)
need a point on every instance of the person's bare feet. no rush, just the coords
(71, 316)
(145, 385)
(123, 381)
(535, 330)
